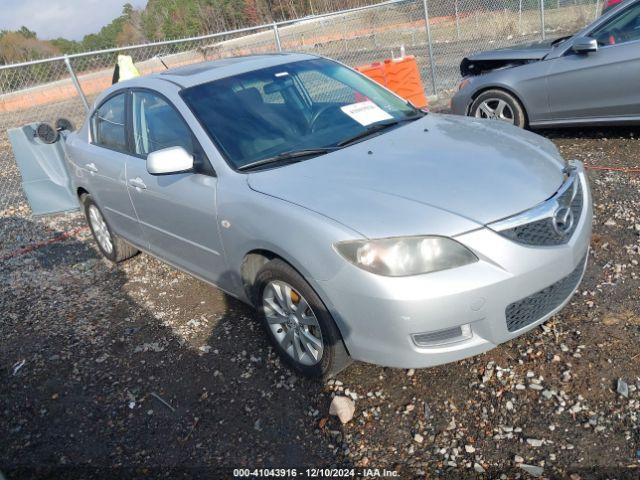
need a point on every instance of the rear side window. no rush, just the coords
(108, 124)
(157, 125)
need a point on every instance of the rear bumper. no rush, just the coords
(378, 315)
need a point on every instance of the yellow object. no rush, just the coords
(126, 68)
(295, 298)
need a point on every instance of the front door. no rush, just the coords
(177, 212)
(601, 84)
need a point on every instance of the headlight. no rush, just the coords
(404, 256)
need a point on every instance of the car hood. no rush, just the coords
(528, 51)
(483, 62)
(440, 175)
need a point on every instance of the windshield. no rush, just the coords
(306, 105)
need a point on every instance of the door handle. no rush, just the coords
(91, 167)
(137, 182)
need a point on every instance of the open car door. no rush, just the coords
(40, 155)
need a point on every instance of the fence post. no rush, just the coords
(520, 17)
(542, 25)
(276, 35)
(455, 4)
(76, 83)
(431, 64)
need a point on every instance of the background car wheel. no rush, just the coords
(499, 105)
(111, 246)
(298, 323)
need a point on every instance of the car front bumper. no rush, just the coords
(378, 315)
(461, 101)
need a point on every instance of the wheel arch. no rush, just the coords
(256, 258)
(252, 262)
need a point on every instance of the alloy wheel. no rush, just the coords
(292, 322)
(496, 109)
(100, 229)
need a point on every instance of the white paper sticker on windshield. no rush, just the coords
(366, 113)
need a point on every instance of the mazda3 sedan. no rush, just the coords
(360, 227)
(590, 78)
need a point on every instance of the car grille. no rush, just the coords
(531, 309)
(542, 232)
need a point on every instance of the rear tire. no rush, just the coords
(111, 246)
(499, 105)
(317, 323)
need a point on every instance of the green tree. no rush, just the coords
(26, 33)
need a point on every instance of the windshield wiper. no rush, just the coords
(287, 157)
(378, 127)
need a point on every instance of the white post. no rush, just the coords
(520, 16)
(276, 35)
(76, 83)
(544, 35)
(455, 4)
(431, 64)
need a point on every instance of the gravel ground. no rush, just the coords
(141, 371)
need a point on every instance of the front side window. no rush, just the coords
(299, 106)
(157, 125)
(623, 28)
(108, 124)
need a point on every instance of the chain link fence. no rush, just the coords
(439, 33)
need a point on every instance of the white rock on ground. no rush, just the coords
(343, 408)
(532, 470)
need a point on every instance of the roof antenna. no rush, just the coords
(162, 62)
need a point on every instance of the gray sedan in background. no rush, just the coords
(360, 227)
(591, 78)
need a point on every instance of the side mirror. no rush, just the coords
(46, 133)
(585, 45)
(169, 160)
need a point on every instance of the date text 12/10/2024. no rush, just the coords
(314, 473)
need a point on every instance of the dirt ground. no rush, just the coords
(140, 371)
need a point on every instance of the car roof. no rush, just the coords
(195, 74)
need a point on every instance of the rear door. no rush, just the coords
(603, 84)
(177, 212)
(104, 158)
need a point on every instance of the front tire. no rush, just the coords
(111, 246)
(297, 322)
(499, 105)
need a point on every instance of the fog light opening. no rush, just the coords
(443, 337)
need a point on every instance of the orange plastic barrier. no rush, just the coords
(375, 71)
(399, 75)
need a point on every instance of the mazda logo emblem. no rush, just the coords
(563, 221)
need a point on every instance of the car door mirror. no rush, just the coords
(585, 45)
(169, 160)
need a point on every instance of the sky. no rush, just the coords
(70, 19)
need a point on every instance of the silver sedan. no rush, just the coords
(591, 78)
(359, 226)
